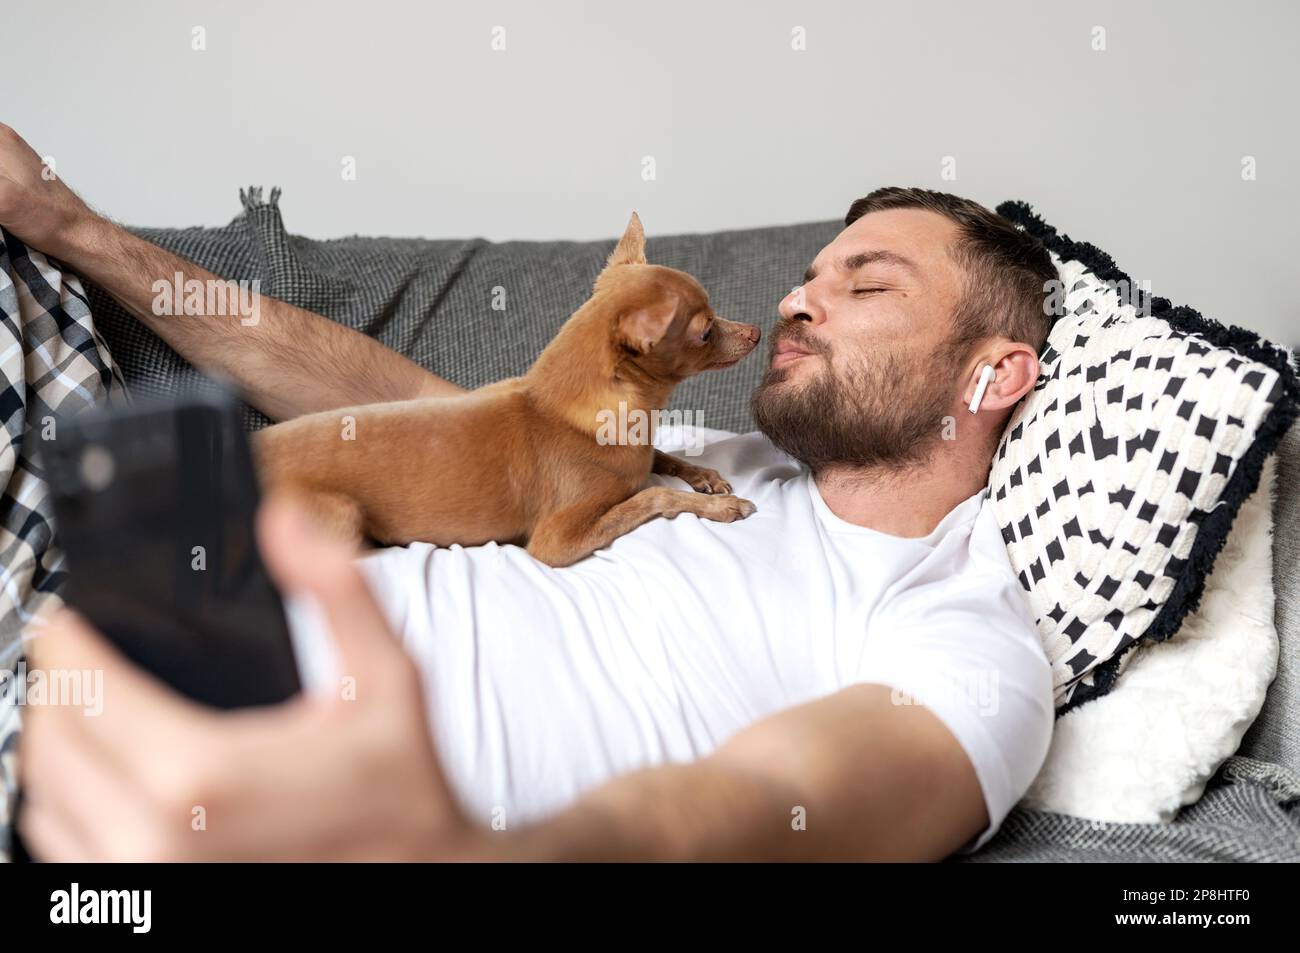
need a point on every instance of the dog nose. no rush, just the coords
(753, 332)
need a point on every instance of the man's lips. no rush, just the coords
(787, 352)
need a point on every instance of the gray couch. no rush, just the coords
(431, 301)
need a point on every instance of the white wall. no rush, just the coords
(1137, 148)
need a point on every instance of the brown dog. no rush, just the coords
(524, 460)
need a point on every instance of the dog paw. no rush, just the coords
(727, 509)
(703, 480)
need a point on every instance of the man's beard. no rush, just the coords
(885, 412)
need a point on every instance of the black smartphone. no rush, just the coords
(154, 507)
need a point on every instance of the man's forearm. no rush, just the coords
(287, 361)
(853, 776)
(688, 812)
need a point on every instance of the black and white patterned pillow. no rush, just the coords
(1119, 476)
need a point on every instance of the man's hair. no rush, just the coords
(1008, 272)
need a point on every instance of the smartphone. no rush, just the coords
(154, 506)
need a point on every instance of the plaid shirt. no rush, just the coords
(53, 364)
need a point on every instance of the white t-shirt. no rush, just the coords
(542, 683)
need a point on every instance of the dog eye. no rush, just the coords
(707, 332)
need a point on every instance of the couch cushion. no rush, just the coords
(433, 300)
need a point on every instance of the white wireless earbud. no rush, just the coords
(986, 375)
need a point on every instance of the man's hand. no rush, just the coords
(156, 777)
(35, 204)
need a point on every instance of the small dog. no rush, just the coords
(522, 460)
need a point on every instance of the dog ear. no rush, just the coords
(645, 327)
(630, 249)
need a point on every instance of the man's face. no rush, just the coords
(860, 373)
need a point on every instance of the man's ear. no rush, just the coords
(630, 249)
(1015, 369)
(645, 327)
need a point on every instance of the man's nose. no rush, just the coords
(799, 306)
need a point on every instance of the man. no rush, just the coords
(851, 672)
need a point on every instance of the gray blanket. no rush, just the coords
(432, 300)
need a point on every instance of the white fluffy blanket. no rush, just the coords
(1148, 747)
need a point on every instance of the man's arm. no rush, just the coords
(288, 362)
(849, 777)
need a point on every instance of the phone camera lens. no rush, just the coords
(96, 467)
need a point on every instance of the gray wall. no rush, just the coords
(1138, 147)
